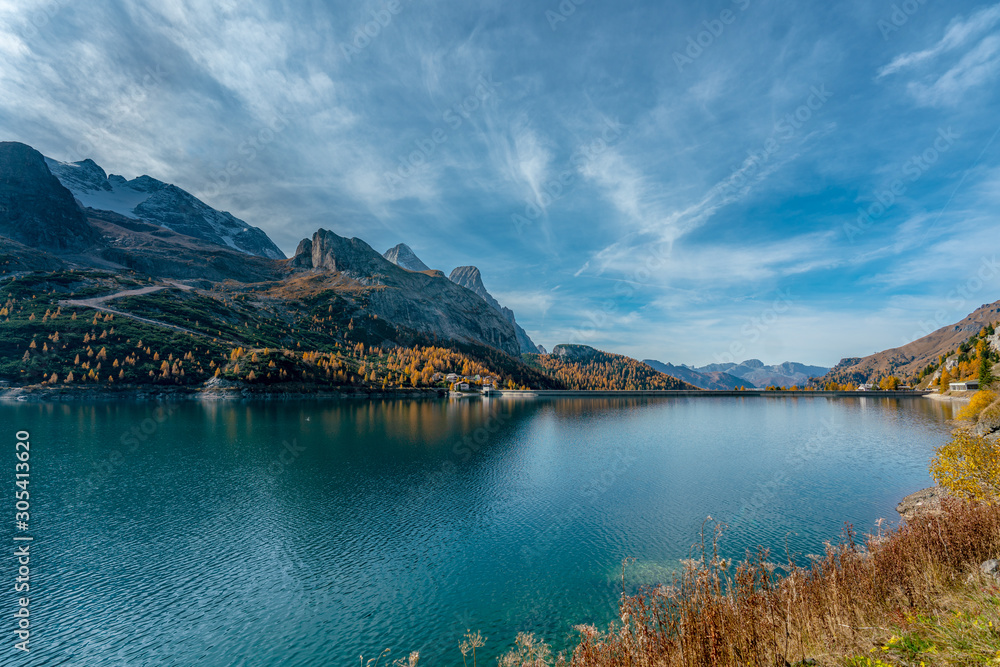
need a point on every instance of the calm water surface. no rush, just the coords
(311, 533)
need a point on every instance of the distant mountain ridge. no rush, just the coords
(710, 380)
(786, 374)
(145, 198)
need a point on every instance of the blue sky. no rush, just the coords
(687, 181)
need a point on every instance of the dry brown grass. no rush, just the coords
(911, 597)
(847, 603)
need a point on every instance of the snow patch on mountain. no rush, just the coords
(148, 199)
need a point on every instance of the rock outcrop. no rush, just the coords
(470, 278)
(430, 304)
(35, 208)
(922, 503)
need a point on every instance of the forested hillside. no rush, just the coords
(584, 368)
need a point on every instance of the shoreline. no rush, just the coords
(40, 395)
(46, 394)
(948, 398)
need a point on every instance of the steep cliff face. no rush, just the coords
(429, 304)
(470, 278)
(145, 198)
(35, 209)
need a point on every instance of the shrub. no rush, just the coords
(968, 466)
(980, 400)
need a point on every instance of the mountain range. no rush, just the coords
(708, 380)
(752, 373)
(58, 216)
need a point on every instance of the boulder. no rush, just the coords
(989, 419)
(921, 503)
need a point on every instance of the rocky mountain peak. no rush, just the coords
(470, 278)
(331, 252)
(402, 255)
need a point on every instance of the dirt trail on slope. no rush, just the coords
(97, 303)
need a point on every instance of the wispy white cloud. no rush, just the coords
(959, 33)
(974, 39)
(976, 67)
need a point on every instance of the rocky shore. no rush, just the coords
(921, 503)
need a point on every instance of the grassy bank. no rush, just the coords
(913, 596)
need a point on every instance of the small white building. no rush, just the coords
(464, 386)
(968, 385)
(450, 377)
(868, 386)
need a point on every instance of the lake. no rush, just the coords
(309, 533)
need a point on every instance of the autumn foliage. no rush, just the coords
(604, 371)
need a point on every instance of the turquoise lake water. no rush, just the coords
(310, 533)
